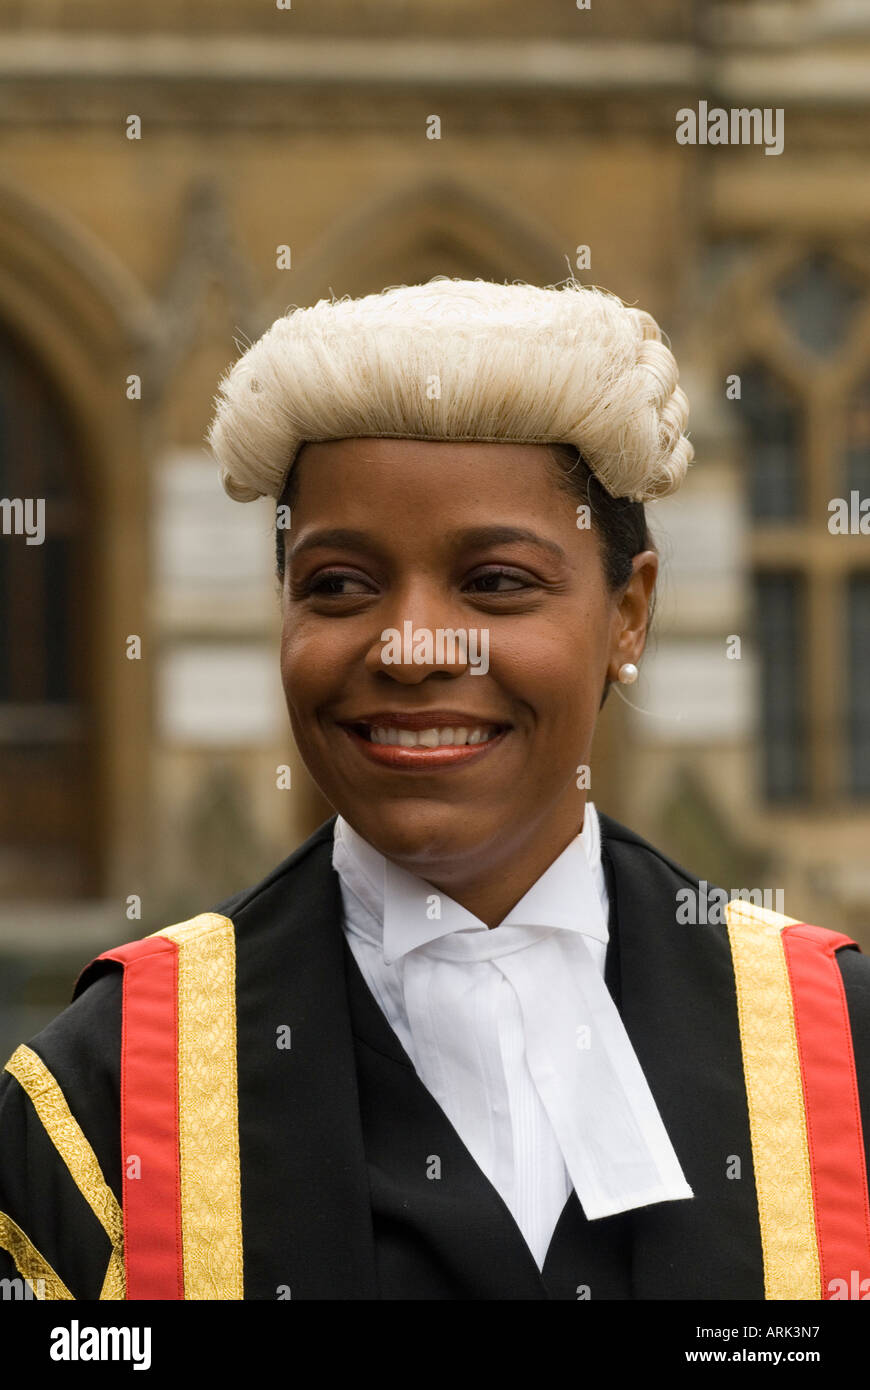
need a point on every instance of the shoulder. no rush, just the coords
(227, 913)
(60, 1145)
(633, 857)
(81, 1047)
(314, 851)
(627, 846)
(70, 1072)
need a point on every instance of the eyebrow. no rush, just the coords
(477, 536)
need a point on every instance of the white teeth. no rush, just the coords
(430, 738)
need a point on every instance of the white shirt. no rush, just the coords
(513, 1032)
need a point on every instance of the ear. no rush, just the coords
(631, 616)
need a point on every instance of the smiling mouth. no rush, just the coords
(435, 737)
(415, 750)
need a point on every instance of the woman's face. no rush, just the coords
(481, 539)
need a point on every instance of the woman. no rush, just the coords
(467, 1042)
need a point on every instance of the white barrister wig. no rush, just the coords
(459, 360)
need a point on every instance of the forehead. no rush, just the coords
(414, 496)
(415, 463)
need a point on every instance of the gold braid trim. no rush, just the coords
(30, 1264)
(774, 1094)
(208, 1105)
(68, 1138)
(115, 1281)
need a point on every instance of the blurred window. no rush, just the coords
(781, 607)
(857, 448)
(819, 303)
(806, 443)
(858, 609)
(46, 775)
(774, 464)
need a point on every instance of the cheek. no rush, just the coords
(304, 642)
(317, 659)
(560, 662)
(303, 661)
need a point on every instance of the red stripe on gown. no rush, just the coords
(149, 1119)
(834, 1132)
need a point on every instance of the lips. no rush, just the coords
(423, 719)
(422, 758)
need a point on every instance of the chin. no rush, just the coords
(425, 831)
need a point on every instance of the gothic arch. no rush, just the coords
(84, 320)
(431, 226)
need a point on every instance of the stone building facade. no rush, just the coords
(174, 176)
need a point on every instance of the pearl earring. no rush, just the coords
(627, 673)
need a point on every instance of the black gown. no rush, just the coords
(336, 1202)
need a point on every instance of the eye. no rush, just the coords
(324, 585)
(495, 581)
(490, 577)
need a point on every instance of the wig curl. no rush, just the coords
(459, 360)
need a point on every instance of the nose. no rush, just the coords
(418, 634)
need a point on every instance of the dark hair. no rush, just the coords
(620, 524)
(289, 493)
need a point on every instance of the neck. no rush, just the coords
(491, 896)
